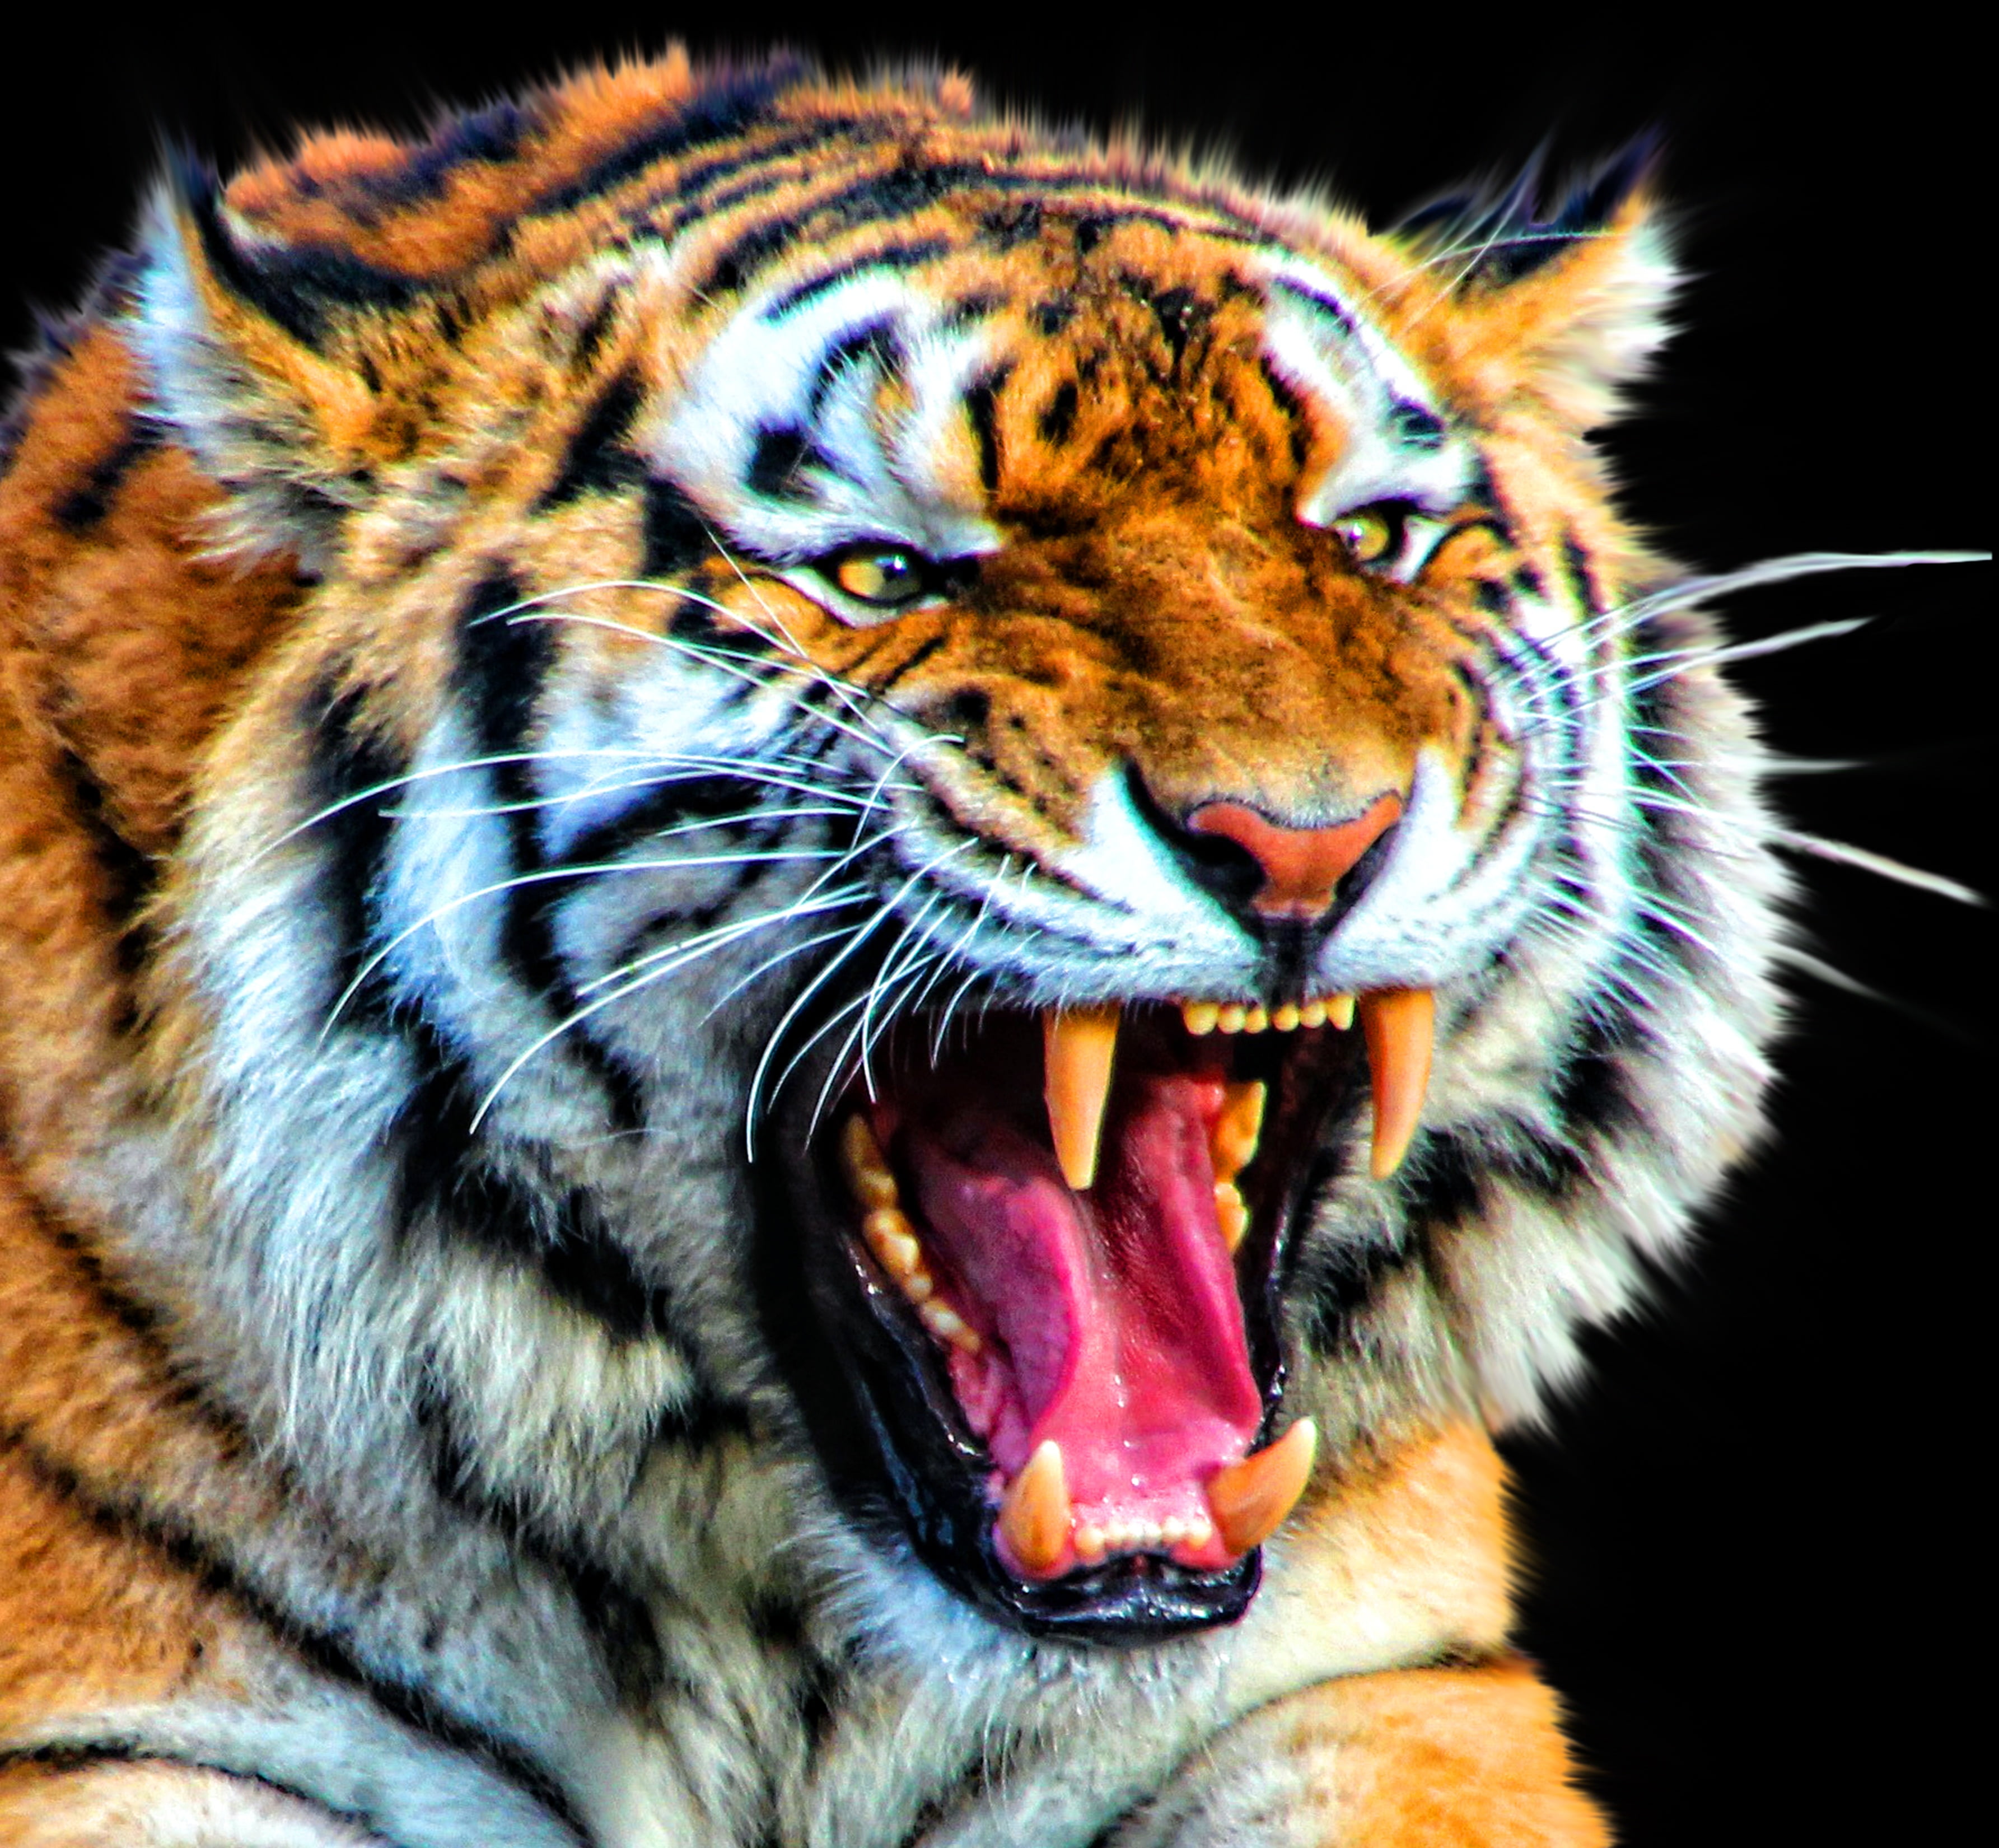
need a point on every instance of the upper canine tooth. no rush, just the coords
(1077, 1047)
(1034, 1513)
(1249, 1499)
(1401, 1028)
(1232, 1141)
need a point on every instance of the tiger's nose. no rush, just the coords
(1301, 868)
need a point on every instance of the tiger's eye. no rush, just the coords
(880, 574)
(1367, 534)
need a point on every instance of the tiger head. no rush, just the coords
(959, 818)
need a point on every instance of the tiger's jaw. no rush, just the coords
(1045, 1266)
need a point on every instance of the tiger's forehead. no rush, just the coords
(921, 379)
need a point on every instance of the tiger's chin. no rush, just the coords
(1044, 1260)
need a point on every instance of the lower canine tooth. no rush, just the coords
(1077, 1048)
(1401, 1027)
(1249, 1499)
(1034, 1513)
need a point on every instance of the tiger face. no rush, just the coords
(969, 812)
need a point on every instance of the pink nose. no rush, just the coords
(1301, 865)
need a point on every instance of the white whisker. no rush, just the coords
(1866, 861)
(692, 950)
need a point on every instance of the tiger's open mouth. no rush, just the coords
(1050, 1282)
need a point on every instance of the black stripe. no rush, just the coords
(296, 287)
(328, 1650)
(597, 460)
(445, 1177)
(1415, 427)
(502, 662)
(782, 453)
(982, 406)
(674, 802)
(80, 1759)
(730, 105)
(130, 874)
(1058, 417)
(83, 506)
(1054, 313)
(676, 539)
(1292, 409)
(892, 256)
(877, 338)
(902, 191)
(491, 137)
(346, 757)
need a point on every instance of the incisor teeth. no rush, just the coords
(1287, 1017)
(867, 1172)
(1339, 1011)
(1229, 1017)
(1199, 1016)
(1255, 1020)
(1312, 1014)
(1078, 1046)
(1230, 1216)
(1034, 1513)
(1089, 1544)
(1400, 1025)
(1249, 1499)
(1232, 1141)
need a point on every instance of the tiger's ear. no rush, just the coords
(260, 360)
(1568, 304)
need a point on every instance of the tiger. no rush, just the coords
(834, 932)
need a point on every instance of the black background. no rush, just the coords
(1757, 1568)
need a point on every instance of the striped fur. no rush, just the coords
(443, 787)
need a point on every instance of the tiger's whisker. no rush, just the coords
(1865, 860)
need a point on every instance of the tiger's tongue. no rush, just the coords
(1114, 1312)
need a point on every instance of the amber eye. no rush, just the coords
(1369, 533)
(887, 575)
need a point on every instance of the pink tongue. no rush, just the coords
(1114, 1313)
